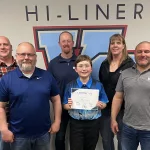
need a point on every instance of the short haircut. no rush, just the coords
(83, 58)
(65, 32)
(143, 42)
(27, 43)
(6, 39)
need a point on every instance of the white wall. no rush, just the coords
(14, 23)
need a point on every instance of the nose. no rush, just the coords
(1, 46)
(26, 56)
(115, 44)
(84, 67)
(66, 43)
(143, 54)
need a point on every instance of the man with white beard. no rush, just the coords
(28, 90)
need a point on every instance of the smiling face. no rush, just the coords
(66, 43)
(5, 48)
(26, 57)
(142, 55)
(84, 69)
(116, 47)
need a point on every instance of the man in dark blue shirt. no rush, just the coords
(62, 68)
(28, 90)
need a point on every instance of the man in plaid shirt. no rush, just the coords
(7, 63)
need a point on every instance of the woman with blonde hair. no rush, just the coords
(117, 60)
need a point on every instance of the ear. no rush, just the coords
(73, 43)
(75, 69)
(59, 43)
(15, 56)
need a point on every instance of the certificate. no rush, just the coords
(84, 98)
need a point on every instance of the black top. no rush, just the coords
(110, 79)
(63, 71)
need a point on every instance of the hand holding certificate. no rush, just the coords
(84, 98)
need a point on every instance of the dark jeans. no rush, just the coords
(40, 143)
(4, 145)
(132, 137)
(60, 136)
(106, 133)
(84, 134)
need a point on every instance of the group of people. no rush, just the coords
(122, 106)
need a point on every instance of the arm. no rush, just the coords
(68, 106)
(67, 101)
(3, 122)
(116, 105)
(57, 114)
(7, 135)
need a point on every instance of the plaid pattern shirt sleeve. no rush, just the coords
(3, 70)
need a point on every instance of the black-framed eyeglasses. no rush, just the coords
(22, 55)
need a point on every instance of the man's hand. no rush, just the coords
(7, 136)
(100, 105)
(114, 126)
(54, 127)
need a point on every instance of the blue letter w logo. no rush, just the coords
(89, 40)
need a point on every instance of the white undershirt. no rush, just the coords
(28, 75)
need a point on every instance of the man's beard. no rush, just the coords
(67, 51)
(26, 67)
(143, 65)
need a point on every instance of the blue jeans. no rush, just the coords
(4, 145)
(40, 143)
(132, 137)
(106, 133)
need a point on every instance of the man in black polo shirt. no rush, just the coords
(62, 68)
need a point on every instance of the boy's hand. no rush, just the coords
(70, 102)
(101, 105)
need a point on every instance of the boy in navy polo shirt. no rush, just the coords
(84, 124)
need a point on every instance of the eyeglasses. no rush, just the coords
(23, 55)
(82, 66)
